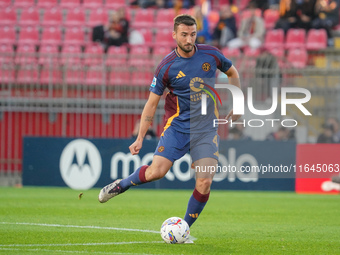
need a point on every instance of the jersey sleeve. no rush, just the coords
(158, 83)
(225, 63)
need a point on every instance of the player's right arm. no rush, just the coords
(145, 122)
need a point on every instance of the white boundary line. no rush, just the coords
(75, 226)
(74, 244)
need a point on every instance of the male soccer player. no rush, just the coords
(188, 72)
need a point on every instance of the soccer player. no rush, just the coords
(188, 72)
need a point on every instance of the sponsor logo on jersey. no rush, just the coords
(180, 75)
(154, 81)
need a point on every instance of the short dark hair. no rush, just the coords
(185, 19)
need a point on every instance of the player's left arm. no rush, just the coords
(234, 79)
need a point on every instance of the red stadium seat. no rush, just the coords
(231, 52)
(247, 13)
(274, 39)
(159, 53)
(7, 74)
(141, 78)
(51, 36)
(29, 17)
(29, 35)
(47, 4)
(165, 18)
(164, 38)
(6, 54)
(71, 55)
(70, 4)
(140, 57)
(296, 38)
(92, 4)
(74, 36)
(94, 54)
(250, 52)
(51, 75)
(297, 58)
(119, 78)
(26, 54)
(5, 3)
(144, 18)
(270, 17)
(243, 4)
(316, 39)
(8, 35)
(28, 74)
(117, 56)
(75, 18)
(8, 16)
(148, 36)
(74, 75)
(48, 54)
(115, 4)
(279, 54)
(97, 17)
(24, 3)
(52, 17)
(95, 75)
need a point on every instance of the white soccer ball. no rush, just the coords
(175, 230)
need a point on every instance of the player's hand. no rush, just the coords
(135, 147)
(232, 116)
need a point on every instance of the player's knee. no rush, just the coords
(203, 185)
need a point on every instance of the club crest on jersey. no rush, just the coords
(161, 149)
(154, 81)
(206, 66)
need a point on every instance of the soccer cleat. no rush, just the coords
(110, 191)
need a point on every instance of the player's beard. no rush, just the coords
(186, 48)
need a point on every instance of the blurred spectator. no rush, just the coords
(261, 4)
(225, 29)
(306, 14)
(149, 3)
(327, 135)
(283, 134)
(115, 32)
(251, 32)
(203, 35)
(178, 4)
(288, 15)
(336, 129)
(327, 12)
(149, 134)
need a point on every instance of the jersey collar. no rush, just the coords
(178, 55)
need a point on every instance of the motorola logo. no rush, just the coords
(80, 164)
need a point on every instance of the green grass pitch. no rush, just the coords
(54, 221)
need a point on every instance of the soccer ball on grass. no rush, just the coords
(175, 230)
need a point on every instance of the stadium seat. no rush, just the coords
(8, 35)
(5, 3)
(48, 54)
(52, 17)
(47, 4)
(165, 18)
(70, 4)
(115, 4)
(75, 18)
(143, 18)
(118, 78)
(148, 36)
(97, 17)
(74, 75)
(164, 38)
(274, 39)
(140, 57)
(297, 58)
(28, 74)
(250, 52)
(316, 39)
(26, 54)
(71, 55)
(231, 52)
(6, 54)
(279, 54)
(74, 36)
(141, 78)
(8, 16)
(159, 53)
(51, 75)
(29, 17)
(247, 13)
(93, 54)
(95, 75)
(243, 4)
(92, 4)
(23, 3)
(296, 38)
(29, 35)
(51, 36)
(117, 56)
(7, 74)
(270, 17)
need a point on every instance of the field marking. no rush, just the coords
(76, 244)
(78, 252)
(75, 226)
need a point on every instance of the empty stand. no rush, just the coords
(74, 75)
(48, 54)
(97, 17)
(274, 39)
(28, 74)
(52, 17)
(115, 4)
(26, 54)
(24, 3)
(8, 16)
(95, 75)
(5, 3)
(71, 54)
(147, 35)
(94, 54)
(75, 18)
(29, 35)
(143, 18)
(141, 78)
(297, 58)
(92, 4)
(51, 36)
(74, 36)
(6, 54)
(270, 17)
(47, 4)
(51, 75)
(165, 18)
(70, 4)
(29, 17)
(316, 39)
(117, 56)
(119, 77)
(8, 35)
(164, 38)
